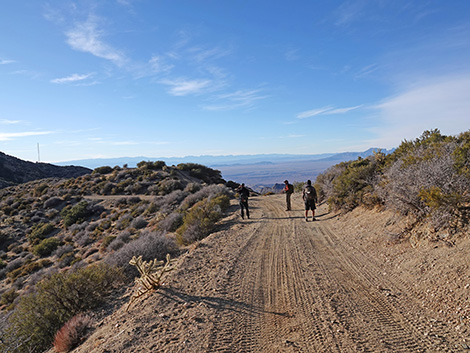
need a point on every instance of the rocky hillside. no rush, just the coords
(53, 227)
(15, 171)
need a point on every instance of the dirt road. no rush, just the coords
(276, 283)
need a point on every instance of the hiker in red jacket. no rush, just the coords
(288, 190)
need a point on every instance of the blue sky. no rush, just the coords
(113, 78)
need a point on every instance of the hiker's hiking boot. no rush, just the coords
(306, 219)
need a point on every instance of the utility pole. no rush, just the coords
(39, 155)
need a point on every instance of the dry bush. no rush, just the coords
(206, 192)
(72, 333)
(151, 245)
(171, 222)
(426, 185)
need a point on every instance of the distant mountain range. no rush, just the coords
(16, 171)
(257, 171)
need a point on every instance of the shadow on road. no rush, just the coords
(217, 303)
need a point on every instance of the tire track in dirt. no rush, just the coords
(305, 292)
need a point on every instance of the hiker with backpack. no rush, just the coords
(309, 195)
(244, 194)
(288, 190)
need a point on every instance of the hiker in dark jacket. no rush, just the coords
(288, 190)
(244, 194)
(309, 195)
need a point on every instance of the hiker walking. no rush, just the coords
(244, 194)
(288, 190)
(309, 195)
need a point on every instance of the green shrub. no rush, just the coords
(28, 268)
(46, 247)
(40, 190)
(106, 241)
(202, 172)
(39, 232)
(9, 297)
(103, 170)
(38, 316)
(157, 165)
(76, 214)
(200, 220)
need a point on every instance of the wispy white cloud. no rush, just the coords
(348, 12)
(72, 78)
(6, 62)
(292, 55)
(367, 70)
(124, 143)
(342, 110)
(9, 122)
(159, 64)
(14, 135)
(202, 55)
(443, 104)
(235, 100)
(87, 37)
(183, 87)
(326, 111)
(313, 112)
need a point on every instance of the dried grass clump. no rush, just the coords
(72, 333)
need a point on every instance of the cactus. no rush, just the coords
(151, 273)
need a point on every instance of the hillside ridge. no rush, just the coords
(15, 171)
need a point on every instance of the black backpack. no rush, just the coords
(310, 193)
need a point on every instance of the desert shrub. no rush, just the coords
(171, 222)
(40, 189)
(38, 316)
(4, 240)
(73, 331)
(167, 186)
(424, 183)
(76, 214)
(124, 221)
(350, 184)
(152, 208)
(64, 249)
(8, 298)
(157, 165)
(151, 245)
(298, 186)
(138, 223)
(102, 170)
(39, 232)
(28, 268)
(209, 175)
(115, 245)
(106, 241)
(205, 192)
(52, 202)
(107, 188)
(201, 218)
(192, 188)
(83, 238)
(14, 264)
(46, 247)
